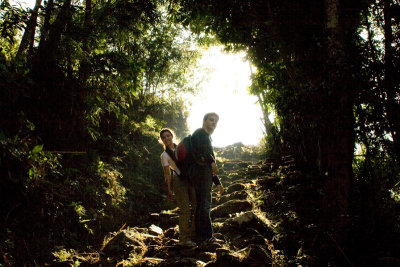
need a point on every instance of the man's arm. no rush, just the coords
(214, 168)
(218, 184)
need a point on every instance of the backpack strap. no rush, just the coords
(194, 157)
(173, 157)
(171, 153)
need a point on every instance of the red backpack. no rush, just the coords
(183, 155)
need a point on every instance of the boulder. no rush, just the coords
(230, 207)
(226, 258)
(179, 262)
(206, 256)
(245, 225)
(246, 237)
(234, 177)
(155, 229)
(168, 218)
(268, 181)
(235, 187)
(122, 244)
(149, 261)
(171, 233)
(240, 195)
(257, 255)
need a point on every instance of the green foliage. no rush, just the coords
(81, 111)
(376, 124)
(12, 20)
(80, 116)
(273, 144)
(327, 88)
(376, 164)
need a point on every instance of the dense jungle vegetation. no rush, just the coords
(87, 85)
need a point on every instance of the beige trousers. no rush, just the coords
(186, 200)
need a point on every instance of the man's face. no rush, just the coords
(210, 124)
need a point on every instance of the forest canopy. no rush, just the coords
(87, 85)
(85, 89)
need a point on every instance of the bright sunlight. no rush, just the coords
(225, 92)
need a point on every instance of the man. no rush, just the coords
(204, 172)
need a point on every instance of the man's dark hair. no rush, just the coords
(210, 114)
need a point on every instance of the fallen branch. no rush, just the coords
(340, 249)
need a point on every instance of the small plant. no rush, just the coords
(64, 255)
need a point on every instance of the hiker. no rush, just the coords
(203, 174)
(180, 186)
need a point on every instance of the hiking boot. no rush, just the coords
(210, 244)
(213, 240)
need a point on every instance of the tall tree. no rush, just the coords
(309, 48)
(390, 82)
(337, 146)
(78, 95)
(29, 34)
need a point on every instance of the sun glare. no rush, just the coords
(225, 92)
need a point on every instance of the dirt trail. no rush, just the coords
(251, 219)
(268, 216)
(244, 229)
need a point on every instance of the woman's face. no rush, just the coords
(167, 138)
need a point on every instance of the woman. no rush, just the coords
(184, 191)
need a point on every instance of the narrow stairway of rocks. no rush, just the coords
(245, 230)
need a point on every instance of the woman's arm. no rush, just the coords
(168, 179)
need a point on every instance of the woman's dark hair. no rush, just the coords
(163, 130)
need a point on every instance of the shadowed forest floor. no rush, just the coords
(247, 218)
(268, 216)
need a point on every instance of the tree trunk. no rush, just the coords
(44, 30)
(338, 137)
(48, 49)
(389, 82)
(29, 34)
(83, 70)
(45, 60)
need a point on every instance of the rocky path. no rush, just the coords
(268, 216)
(238, 221)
